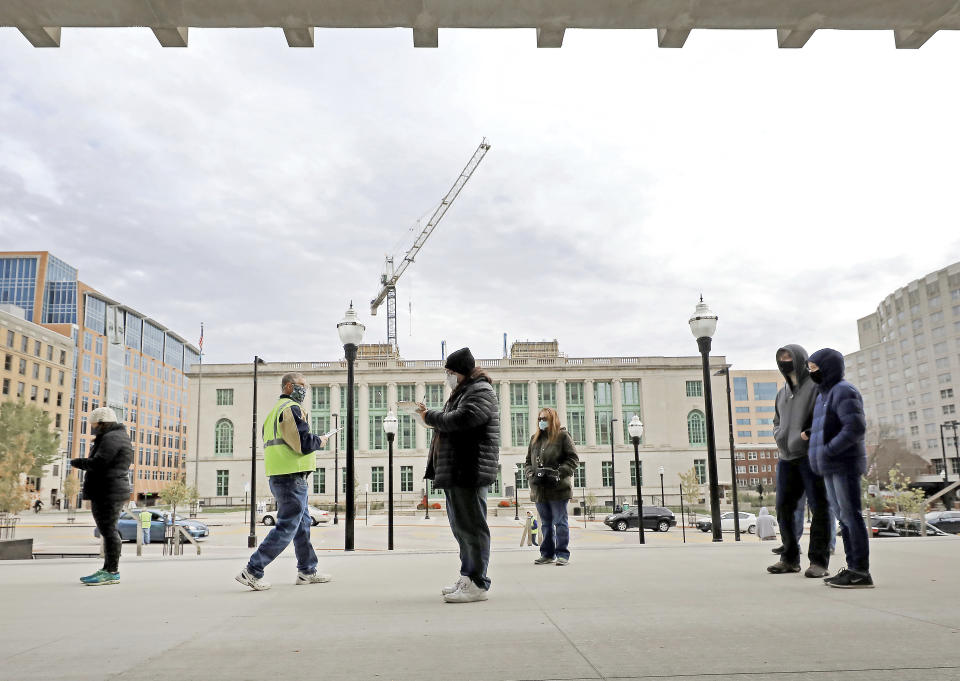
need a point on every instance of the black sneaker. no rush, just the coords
(828, 580)
(780, 549)
(780, 568)
(848, 579)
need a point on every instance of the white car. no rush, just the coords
(748, 523)
(317, 515)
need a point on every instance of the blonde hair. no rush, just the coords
(553, 425)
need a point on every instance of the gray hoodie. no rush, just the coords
(794, 407)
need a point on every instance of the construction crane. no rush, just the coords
(388, 280)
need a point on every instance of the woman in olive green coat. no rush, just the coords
(552, 448)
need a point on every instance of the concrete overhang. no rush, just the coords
(794, 21)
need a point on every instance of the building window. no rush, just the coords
(320, 397)
(519, 428)
(223, 483)
(744, 433)
(633, 473)
(694, 388)
(406, 478)
(606, 473)
(521, 480)
(740, 392)
(376, 479)
(765, 391)
(224, 397)
(700, 466)
(742, 410)
(743, 422)
(377, 411)
(631, 407)
(223, 438)
(696, 428)
(547, 394)
(406, 432)
(580, 475)
(576, 421)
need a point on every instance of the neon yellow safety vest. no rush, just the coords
(279, 458)
(145, 518)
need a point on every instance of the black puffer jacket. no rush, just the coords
(466, 443)
(559, 454)
(106, 467)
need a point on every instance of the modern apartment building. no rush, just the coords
(908, 365)
(595, 396)
(37, 369)
(123, 359)
(754, 394)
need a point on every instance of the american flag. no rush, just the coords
(201, 338)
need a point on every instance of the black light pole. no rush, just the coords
(635, 428)
(663, 497)
(390, 428)
(613, 468)
(426, 504)
(683, 517)
(252, 537)
(351, 334)
(703, 324)
(725, 371)
(516, 493)
(336, 468)
(956, 443)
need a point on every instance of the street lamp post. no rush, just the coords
(725, 371)
(516, 492)
(613, 468)
(336, 468)
(390, 428)
(663, 497)
(426, 505)
(635, 428)
(703, 324)
(252, 537)
(351, 335)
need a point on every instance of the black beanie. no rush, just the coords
(461, 361)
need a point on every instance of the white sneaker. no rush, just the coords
(467, 593)
(315, 578)
(455, 586)
(254, 583)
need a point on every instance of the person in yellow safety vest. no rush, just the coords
(145, 519)
(288, 459)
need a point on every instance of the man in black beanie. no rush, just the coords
(463, 461)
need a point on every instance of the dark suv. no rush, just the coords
(655, 518)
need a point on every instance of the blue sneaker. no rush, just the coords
(101, 577)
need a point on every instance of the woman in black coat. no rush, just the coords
(552, 448)
(107, 487)
(463, 461)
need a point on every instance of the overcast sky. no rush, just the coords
(257, 188)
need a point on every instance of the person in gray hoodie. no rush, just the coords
(791, 429)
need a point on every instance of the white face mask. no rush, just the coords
(543, 424)
(452, 381)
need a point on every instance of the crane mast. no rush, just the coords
(388, 280)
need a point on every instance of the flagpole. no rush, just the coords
(196, 428)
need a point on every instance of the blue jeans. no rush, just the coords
(796, 480)
(843, 491)
(798, 521)
(293, 524)
(556, 529)
(467, 514)
(146, 534)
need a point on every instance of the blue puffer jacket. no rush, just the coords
(836, 437)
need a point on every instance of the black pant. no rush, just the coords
(105, 515)
(793, 479)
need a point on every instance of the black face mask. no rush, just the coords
(786, 367)
(816, 376)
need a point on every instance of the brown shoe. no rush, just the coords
(780, 568)
(816, 571)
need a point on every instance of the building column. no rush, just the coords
(589, 415)
(363, 436)
(533, 400)
(562, 400)
(505, 429)
(392, 398)
(616, 387)
(419, 394)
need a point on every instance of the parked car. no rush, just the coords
(656, 518)
(898, 526)
(129, 524)
(948, 521)
(317, 516)
(748, 523)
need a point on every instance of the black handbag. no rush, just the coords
(544, 476)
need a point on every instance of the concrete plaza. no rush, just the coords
(665, 610)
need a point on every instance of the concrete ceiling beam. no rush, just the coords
(45, 36)
(793, 38)
(426, 36)
(911, 40)
(299, 37)
(171, 36)
(672, 37)
(550, 36)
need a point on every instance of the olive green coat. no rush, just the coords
(559, 454)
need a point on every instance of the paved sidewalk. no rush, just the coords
(697, 612)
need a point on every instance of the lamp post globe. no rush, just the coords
(635, 429)
(351, 335)
(703, 324)
(390, 428)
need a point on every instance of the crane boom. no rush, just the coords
(390, 276)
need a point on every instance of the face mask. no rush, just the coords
(786, 367)
(816, 376)
(542, 424)
(298, 394)
(452, 381)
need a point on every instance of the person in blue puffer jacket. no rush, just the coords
(837, 452)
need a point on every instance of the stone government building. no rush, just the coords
(666, 392)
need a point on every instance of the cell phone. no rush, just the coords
(332, 432)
